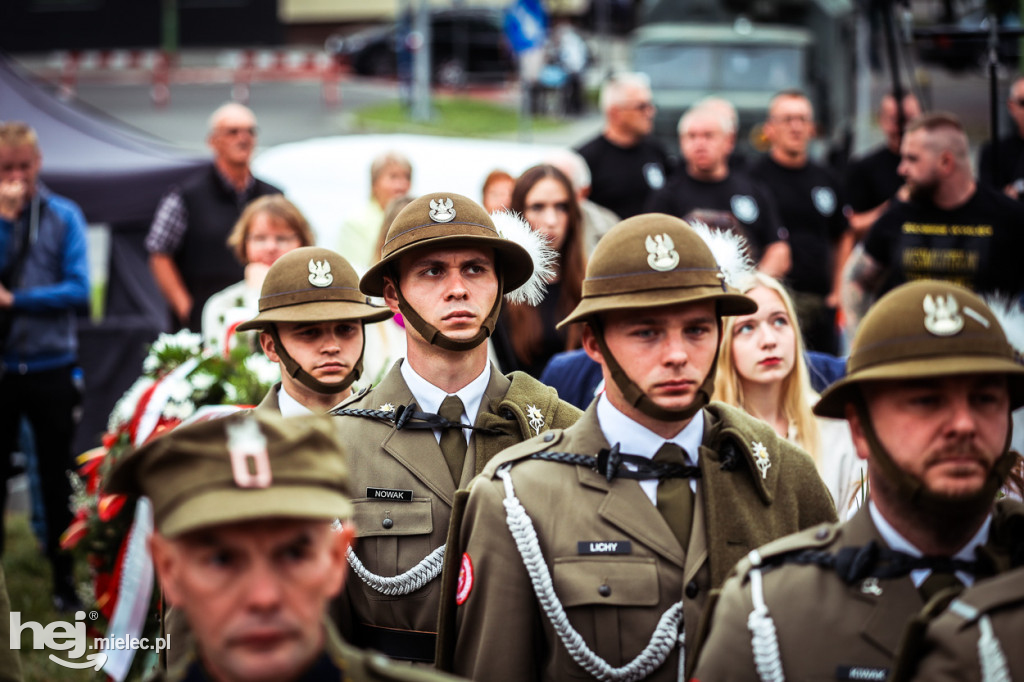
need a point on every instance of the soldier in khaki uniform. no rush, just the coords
(931, 384)
(438, 416)
(244, 546)
(311, 317)
(588, 565)
(976, 637)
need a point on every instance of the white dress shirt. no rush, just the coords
(896, 541)
(429, 397)
(634, 439)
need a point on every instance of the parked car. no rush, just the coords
(467, 44)
(964, 45)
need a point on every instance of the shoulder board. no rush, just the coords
(988, 595)
(544, 441)
(816, 537)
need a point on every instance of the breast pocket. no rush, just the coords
(393, 536)
(606, 599)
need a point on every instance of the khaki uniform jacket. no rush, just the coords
(382, 457)
(614, 600)
(827, 629)
(351, 664)
(948, 651)
(270, 401)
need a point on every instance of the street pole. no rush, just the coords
(169, 26)
(421, 63)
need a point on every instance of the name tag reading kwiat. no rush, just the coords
(389, 494)
(598, 547)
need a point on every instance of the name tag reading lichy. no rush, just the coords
(604, 547)
(389, 494)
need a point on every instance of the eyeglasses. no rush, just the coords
(1019, 102)
(794, 118)
(643, 107)
(234, 132)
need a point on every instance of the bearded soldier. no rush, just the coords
(583, 551)
(311, 317)
(438, 416)
(931, 384)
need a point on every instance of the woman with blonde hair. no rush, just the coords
(761, 369)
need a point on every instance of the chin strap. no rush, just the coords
(911, 488)
(434, 336)
(638, 399)
(305, 378)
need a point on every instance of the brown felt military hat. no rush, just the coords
(653, 260)
(922, 329)
(248, 465)
(312, 284)
(449, 221)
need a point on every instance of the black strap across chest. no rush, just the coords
(853, 564)
(408, 417)
(610, 463)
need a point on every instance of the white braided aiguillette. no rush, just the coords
(406, 583)
(665, 636)
(764, 641)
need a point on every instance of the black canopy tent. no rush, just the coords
(117, 175)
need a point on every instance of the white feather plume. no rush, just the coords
(514, 227)
(1011, 318)
(732, 254)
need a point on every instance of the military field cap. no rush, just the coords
(652, 260)
(922, 329)
(447, 220)
(312, 284)
(248, 465)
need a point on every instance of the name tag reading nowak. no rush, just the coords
(389, 494)
(604, 547)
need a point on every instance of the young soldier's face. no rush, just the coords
(452, 289)
(947, 432)
(667, 352)
(328, 351)
(255, 593)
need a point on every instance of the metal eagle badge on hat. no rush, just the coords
(661, 252)
(442, 211)
(320, 273)
(761, 459)
(942, 315)
(250, 463)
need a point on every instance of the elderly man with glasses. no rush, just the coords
(187, 242)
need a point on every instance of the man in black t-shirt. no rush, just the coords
(1009, 177)
(626, 163)
(706, 190)
(872, 180)
(810, 205)
(949, 228)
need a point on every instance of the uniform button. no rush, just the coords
(692, 590)
(548, 437)
(821, 534)
(387, 523)
(604, 591)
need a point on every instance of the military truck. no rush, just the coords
(745, 51)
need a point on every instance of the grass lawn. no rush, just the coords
(452, 116)
(28, 584)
